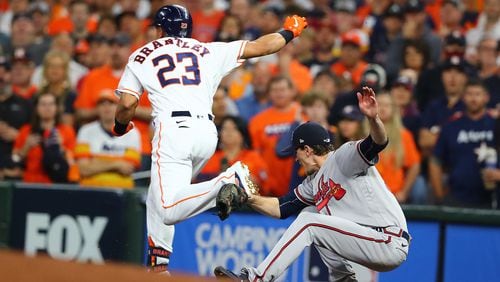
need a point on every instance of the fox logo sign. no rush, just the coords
(65, 237)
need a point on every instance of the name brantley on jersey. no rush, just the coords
(155, 44)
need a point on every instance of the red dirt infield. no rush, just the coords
(16, 267)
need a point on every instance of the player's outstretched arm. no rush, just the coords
(269, 206)
(273, 42)
(124, 114)
(369, 107)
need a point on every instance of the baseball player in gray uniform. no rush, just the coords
(356, 218)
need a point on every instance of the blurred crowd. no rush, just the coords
(434, 65)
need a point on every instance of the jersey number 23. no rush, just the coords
(192, 76)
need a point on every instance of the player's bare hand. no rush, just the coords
(367, 102)
(295, 24)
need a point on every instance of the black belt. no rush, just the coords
(188, 114)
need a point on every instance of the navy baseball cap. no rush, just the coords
(454, 62)
(394, 10)
(455, 38)
(351, 112)
(309, 133)
(414, 6)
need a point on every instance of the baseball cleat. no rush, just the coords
(223, 273)
(242, 174)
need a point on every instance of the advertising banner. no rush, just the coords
(204, 242)
(69, 224)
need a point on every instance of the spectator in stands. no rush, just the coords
(288, 65)
(140, 7)
(429, 83)
(487, 58)
(45, 146)
(99, 51)
(416, 56)
(22, 70)
(402, 94)
(344, 16)
(107, 27)
(230, 29)
(6, 18)
(381, 38)
(208, 19)
(23, 37)
(323, 43)
(327, 84)
(350, 126)
(451, 14)
(55, 72)
(242, 10)
(303, 50)
(222, 106)
(440, 109)
(256, 95)
(63, 43)
(399, 163)
(40, 13)
(267, 127)
(488, 26)
(374, 76)
(14, 113)
(414, 28)
(461, 152)
(235, 145)
(350, 66)
(105, 160)
(272, 17)
(314, 108)
(129, 24)
(492, 83)
(78, 22)
(105, 77)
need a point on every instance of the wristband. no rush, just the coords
(287, 35)
(120, 128)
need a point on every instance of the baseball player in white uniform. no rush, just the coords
(181, 76)
(356, 218)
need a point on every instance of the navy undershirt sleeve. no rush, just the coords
(290, 204)
(370, 149)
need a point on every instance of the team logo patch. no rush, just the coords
(327, 190)
(184, 25)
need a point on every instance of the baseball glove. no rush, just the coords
(229, 198)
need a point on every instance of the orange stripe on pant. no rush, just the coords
(161, 186)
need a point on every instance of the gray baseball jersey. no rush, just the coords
(347, 193)
(349, 186)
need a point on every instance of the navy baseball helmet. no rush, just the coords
(174, 20)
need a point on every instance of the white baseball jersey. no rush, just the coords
(179, 73)
(348, 186)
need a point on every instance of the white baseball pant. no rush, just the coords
(344, 239)
(181, 147)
